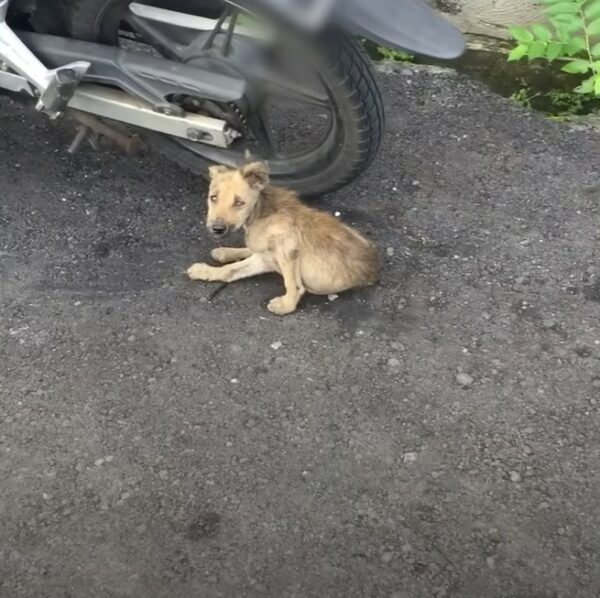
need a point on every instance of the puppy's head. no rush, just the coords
(232, 196)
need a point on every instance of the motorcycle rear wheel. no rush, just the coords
(355, 104)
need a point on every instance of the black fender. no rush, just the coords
(401, 24)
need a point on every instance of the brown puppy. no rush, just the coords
(312, 250)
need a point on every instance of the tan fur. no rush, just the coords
(313, 251)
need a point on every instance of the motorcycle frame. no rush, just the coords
(139, 100)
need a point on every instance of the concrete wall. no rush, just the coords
(489, 17)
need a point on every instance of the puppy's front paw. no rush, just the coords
(281, 306)
(220, 254)
(199, 272)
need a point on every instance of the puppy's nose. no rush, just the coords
(218, 229)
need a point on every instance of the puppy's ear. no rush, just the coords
(256, 175)
(213, 171)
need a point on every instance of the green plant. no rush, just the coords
(524, 96)
(574, 40)
(394, 55)
(556, 103)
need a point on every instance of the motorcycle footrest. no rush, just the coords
(62, 83)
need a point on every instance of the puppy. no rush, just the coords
(312, 251)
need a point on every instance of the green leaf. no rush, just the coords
(576, 67)
(518, 52)
(562, 20)
(554, 50)
(595, 50)
(597, 85)
(574, 25)
(586, 86)
(541, 32)
(536, 50)
(521, 34)
(592, 9)
(562, 8)
(575, 45)
(594, 27)
(562, 35)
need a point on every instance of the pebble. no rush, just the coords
(131, 338)
(390, 251)
(416, 183)
(393, 362)
(276, 345)
(409, 457)
(515, 477)
(549, 324)
(491, 562)
(99, 462)
(464, 379)
(332, 297)
(387, 557)
(337, 214)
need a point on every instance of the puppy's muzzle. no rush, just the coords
(218, 228)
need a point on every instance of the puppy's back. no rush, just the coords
(350, 257)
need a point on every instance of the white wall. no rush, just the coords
(489, 17)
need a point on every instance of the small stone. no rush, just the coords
(416, 183)
(544, 505)
(109, 458)
(99, 462)
(234, 380)
(337, 214)
(561, 531)
(464, 379)
(46, 496)
(163, 474)
(393, 362)
(332, 297)
(409, 457)
(549, 324)
(390, 251)
(387, 556)
(515, 477)
(276, 345)
(491, 562)
(131, 338)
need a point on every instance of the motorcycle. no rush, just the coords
(212, 81)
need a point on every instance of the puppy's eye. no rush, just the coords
(213, 198)
(238, 203)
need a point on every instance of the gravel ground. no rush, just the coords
(435, 436)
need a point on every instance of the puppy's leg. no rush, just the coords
(226, 255)
(289, 266)
(251, 266)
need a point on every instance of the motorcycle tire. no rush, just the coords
(357, 103)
